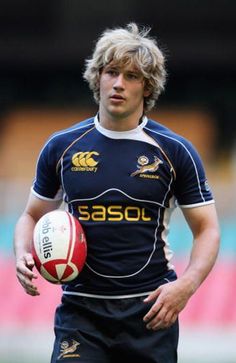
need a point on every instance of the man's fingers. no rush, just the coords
(25, 275)
(29, 261)
(29, 288)
(153, 295)
(23, 270)
(32, 291)
(153, 312)
(163, 319)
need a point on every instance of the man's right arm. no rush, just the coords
(23, 236)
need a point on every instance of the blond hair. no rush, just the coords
(127, 46)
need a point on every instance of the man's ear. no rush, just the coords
(146, 92)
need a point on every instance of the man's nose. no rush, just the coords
(119, 82)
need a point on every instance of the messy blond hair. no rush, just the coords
(128, 46)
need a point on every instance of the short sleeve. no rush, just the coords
(47, 184)
(191, 186)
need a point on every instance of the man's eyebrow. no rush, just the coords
(111, 66)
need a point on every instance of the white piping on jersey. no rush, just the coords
(155, 233)
(188, 152)
(164, 236)
(106, 296)
(212, 201)
(58, 134)
(58, 196)
(136, 134)
(72, 143)
(167, 213)
(120, 191)
(168, 189)
(62, 179)
(66, 132)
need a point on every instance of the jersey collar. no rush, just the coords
(120, 134)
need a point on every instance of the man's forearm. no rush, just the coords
(23, 235)
(203, 256)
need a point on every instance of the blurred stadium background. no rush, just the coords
(43, 47)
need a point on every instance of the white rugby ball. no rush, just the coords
(59, 247)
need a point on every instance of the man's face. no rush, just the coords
(121, 90)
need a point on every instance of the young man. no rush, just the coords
(121, 175)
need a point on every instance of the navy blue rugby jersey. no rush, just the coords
(122, 186)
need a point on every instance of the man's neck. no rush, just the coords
(119, 124)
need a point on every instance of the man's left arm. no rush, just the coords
(169, 299)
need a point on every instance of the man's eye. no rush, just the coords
(132, 76)
(112, 72)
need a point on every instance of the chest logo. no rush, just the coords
(84, 161)
(144, 167)
(69, 350)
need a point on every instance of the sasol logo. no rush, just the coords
(84, 161)
(113, 213)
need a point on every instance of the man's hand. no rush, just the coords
(25, 275)
(170, 298)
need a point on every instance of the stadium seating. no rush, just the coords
(213, 304)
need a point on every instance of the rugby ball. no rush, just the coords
(59, 247)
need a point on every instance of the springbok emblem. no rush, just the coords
(144, 167)
(67, 349)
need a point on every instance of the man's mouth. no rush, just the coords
(117, 97)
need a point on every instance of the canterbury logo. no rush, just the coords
(144, 166)
(85, 159)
